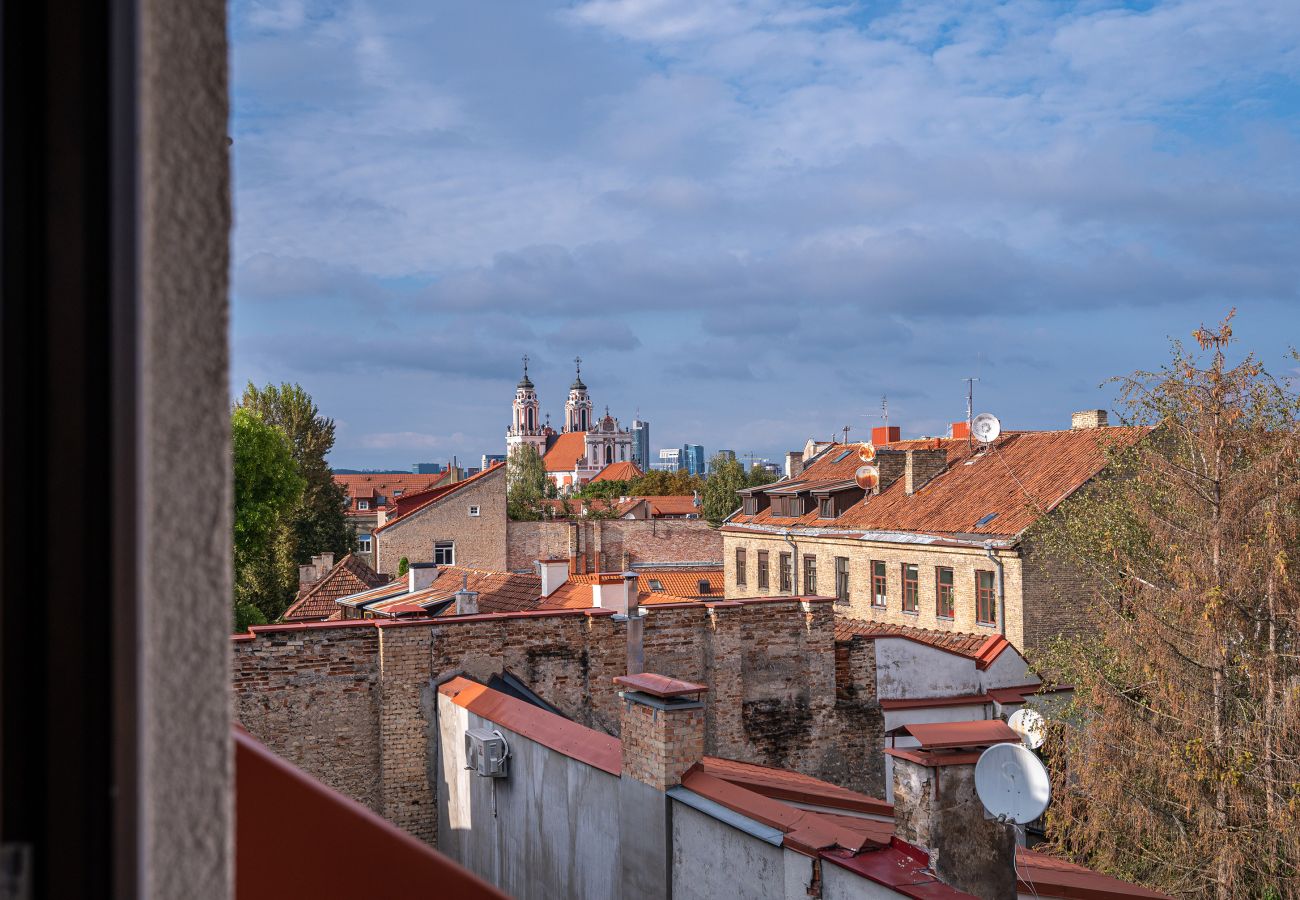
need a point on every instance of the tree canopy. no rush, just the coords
(726, 477)
(526, 483)
(1179, 763)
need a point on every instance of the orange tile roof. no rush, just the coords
(367, 487)
(497, 592)
(424, 498)
(671, 505)
(1022, 476)
(563, 455)
(959, 642)
(350, 575)
(619, 471)
(683, 582)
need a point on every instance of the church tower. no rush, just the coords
(577, 409)
(526, 425)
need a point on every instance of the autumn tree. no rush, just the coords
(268, 486)
(1179, 763)
(526, 483)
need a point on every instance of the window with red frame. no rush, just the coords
(986, 599)
(911, 587)
(943, 592)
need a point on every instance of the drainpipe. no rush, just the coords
(1002, 606)
(794, 564)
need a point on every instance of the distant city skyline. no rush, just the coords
(750, 219)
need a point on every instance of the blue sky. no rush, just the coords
(751, 219)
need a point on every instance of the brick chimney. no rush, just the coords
(793, 463)
(420, 576)
(662, 729)
(892, 465)
(921, 466)
(315, 570)
(885, 434)
(554, 573)
(937, 810)
(615, 590)
(1089, 418)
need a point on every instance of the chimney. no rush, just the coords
(616, 591)
(420, 576)
(937, 810)
(885, 434)
(662, 729)
(315, 570)
(921, 466)
(961, 430)
(892, 464)
(1089, 418)
(554, 573)
(793, 463)
(466, 602)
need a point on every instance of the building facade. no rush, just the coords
(693, 459)
(641, 443)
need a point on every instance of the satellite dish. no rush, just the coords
(867, 477)
(1030, 725)
(1012, 784)
(985, 427)
(867, 452)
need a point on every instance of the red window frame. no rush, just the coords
(986, 598)
(879, 584)
(911, 587)
(944, 599)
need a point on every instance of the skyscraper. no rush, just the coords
(641, 443)
(693, 459)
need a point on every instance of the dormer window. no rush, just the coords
(363, 504)
(751, 506)
(826, 508)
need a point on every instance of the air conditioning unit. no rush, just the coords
(486, 752)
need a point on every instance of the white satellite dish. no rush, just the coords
(1012, 784)
(985, 428)
(1030, 725)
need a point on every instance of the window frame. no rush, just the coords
(990, 595)
(810, 575)
(764, 576)
(443, 548)
(656, 585)
(879, 584)
(363, 505)
(365, 543)
(842, 580)
(741, 574)
(785, 573)
(941, 595)
(911, 594)
(474, 511)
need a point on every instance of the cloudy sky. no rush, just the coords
(751, 218)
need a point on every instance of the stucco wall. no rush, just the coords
(480, 540)
(608, 545)
(711, 859)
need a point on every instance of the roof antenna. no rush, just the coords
(970, 409)
(884, 409)
(846, 434)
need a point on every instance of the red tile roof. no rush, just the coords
(619, 471)
(367, 487)
(983, 648)
(671, 506)
(659, 685)
(406, 505)
(683, 582)
(1020, 477)
(563, 455)
(497, 592)
(349, 576)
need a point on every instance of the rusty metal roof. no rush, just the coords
(955, 735)
(659, 685)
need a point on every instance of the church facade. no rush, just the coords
(582, 448)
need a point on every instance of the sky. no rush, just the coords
(751, 218)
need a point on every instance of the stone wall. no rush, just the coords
(601, 544)
(480, 541)
(352, 703)
(964, 561)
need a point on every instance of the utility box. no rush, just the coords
(486, 753)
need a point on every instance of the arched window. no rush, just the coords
(582, 420)
(609, 453)
(530, 419)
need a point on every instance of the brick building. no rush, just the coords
(944, 542)
(462, 523)
(371, 498)
(317, 598)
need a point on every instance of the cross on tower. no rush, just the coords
(577, 361)
(525, 365)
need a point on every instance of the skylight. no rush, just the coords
(987, 519)
(843, 455)
(656, 584)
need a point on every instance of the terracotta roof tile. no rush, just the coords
(368, 487)
(563, 455)
(349, 576)
(959, 642)
(497, 592)
(619, 471)
(682, 582)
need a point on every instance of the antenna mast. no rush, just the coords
(970, 408)
(884, 409)
(846, 434)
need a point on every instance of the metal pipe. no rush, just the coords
(794, 563)
(1002, 606)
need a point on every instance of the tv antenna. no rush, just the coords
(846, 433)
(985, 428)
(1030, 725)
(884, 408)
(970, 406)
(1012, 784)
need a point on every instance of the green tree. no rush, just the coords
(1179, 763)
(758, 477)
(319, 523)
(658, 483)
(609, 490)
(726, 477)
(268, 487)
(526, 483)
(403, 566)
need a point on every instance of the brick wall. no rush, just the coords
(480, 540)
(964, 562)
(1057, 600)
(602, 543)
(659, 745)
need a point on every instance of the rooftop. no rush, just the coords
(983, 648)
(349, 576)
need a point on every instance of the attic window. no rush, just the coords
(656, 585)
(987, 519)
(398, 492)
(704, 586)
(843, 456)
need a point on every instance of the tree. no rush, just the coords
(526, 483)
(403, 566)
(319, 524)
(759, 476)
(268, 487)
(720, 499)
(1180, 761)
(658, 483)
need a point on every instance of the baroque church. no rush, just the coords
(585, 445)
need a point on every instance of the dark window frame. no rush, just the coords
(841, 579)
(945, 595)
(911, 594)
(441, 549)
(785, 573)
(810, 575)
(764, 576)
(741, 574)
(986, 599)
(879, 584)
(826, 508)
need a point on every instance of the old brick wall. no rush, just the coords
(480, 540)
(312, 695)
(602, 543)
(1057, 600)
(964, 561)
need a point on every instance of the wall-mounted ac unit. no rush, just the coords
(486, 752)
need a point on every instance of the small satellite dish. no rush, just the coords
(867, 477)
(1012, 784)
(867, 452)
(1030, 725)
(985, 427)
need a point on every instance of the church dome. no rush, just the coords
(577, 385)
(525, 382)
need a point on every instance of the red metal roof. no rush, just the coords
(406, 505)
(954, 735)
(573, 740)
(659, 685)
(784, 784)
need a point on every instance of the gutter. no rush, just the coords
(884, 537)
(1001, 592)
(794, 564)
